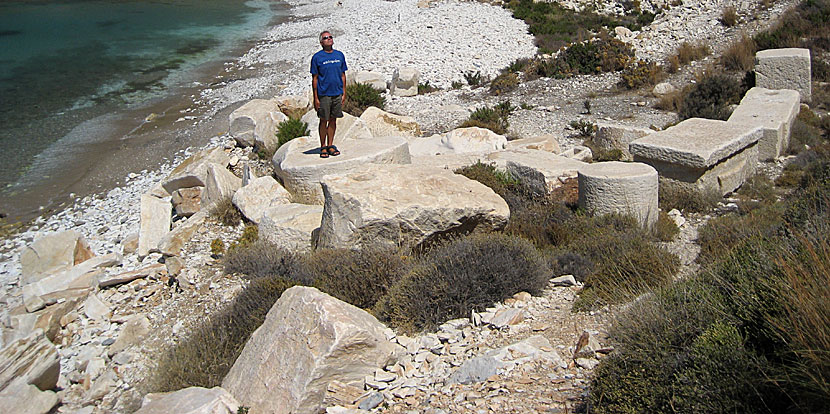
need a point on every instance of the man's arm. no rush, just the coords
(314, 89)
(343, 78)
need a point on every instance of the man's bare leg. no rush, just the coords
(322, 128)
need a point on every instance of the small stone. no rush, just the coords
(564, 281)
(108, 342)
(370, 401)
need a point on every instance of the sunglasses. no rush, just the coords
(327, 37)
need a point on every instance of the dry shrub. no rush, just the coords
(721, 235)
(204, 357)
(359, 277)
(670, 102)
(504, 83)
(641, 74)
(729, 17)
(465, 274)
(710, 97)
(226, 213)
(688, 52)
(665, 229)
(740, 55)
(686, 199)
(261, 260)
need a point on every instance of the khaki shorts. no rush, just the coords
(330, 107)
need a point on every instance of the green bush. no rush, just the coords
(226, 213)
(465, 274)
(206, 354)
(601, 54)
(504, 83)
(425, 87)
(473, 78)
(584, 129)
(290, 129)
(494, 119)
(640, 74)
(217, 247)
(719, 236)
(710, 98)
(360, 96)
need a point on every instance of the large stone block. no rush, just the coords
(300, 167)
(784, 69)
(540, 170)
(187, 201)
(193, 400)
(381, 123)
(547, 143)
(219, 184)
(20, 397)
(255, 124)
(173, 242)
(626, 188)
(154, 224)
(373, 79)
(471, 140)
(617, 137)
(348, 127)
(32, 359)
(258, 195)
(49, 254)
(294, 106)
(405, 205)
(774, 111)
(405, 82)
(308, 340)
(74, 282)
(702, 154)
(291, 226)
(192, 172)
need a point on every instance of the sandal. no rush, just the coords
(333, 151)
(324, 152)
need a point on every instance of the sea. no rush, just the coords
(66, 63)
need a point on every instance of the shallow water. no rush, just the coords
(64, 63)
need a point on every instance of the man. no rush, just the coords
(328, 81)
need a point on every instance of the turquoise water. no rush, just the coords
(65, 62)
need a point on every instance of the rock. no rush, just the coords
(382, 124)
(677, 216)
(370, 401)
(133, 331)
(130, 244)
(506, 317)
(187, 201)
(49, 254)
(301, 169)
(475, 370)
(784, 69)
(192, 172)
(174, 265)
(338, 393)
(173, 242)
(291, 226)
(102, 386)
(193, 400)
(49, 319)
(308, 340)
(33, 360)
(294, 106)
(547, 143)
(539, 170)
(95, 308)
(774, 111)
(615, 187)
(154, 224)
(219, 184)
(586, 346)
(623, 33)
(125, 277)
(405, 82)
(586, 363)
(255, 124)
(348, 127)
(459, 141)
(564, 281)
(662, 89)
(20, 397)
(373, 79)
(264, 192)
(701, 154)
(579, 153)
(534, 348)
(404, 205)
(74, 282)
(617, 137)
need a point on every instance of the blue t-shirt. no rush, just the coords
(329, 67)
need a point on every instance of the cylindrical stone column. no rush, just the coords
(628, 188)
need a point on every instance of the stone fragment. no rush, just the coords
(301, 169)
(187, 201)
(255, 124)
(564, 281)
(373, 79)
(295, 106)
(264, 192)
(291, 226)
(472, 140)
(20, 397)
(663, 89)
(219, 184)
(173, 242)
(534, 348)
(33, 360)
(193, 400)
(547, 143)
(102, 386)
(348, 127)
(617, 137)
(125, 277)
(405, 82)
(404, 205)
(625, 188)
(539, 170)
(49, 254)
(74, 282)
(370, 401)
(174, 265)
(50, 319)
(383, 124)
(507, 316)
(784, 69)
(82, 251)
(579, 153)
(308, 340)
(154, 224)
(774, 111)
(338, 393)
(192, 172)
(95, 308)
(701, 154)
(586, 363)
(475, 370)
(130, 244)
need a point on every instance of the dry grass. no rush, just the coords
(740, 55)
(226, 213)
(729, 18)
(687, 53)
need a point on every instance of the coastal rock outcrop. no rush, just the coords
(261, 193)
(404, 205)
(255, 124)
(308, 340)
(192, 172)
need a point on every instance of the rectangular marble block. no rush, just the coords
(784, 69)
(772, 110)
